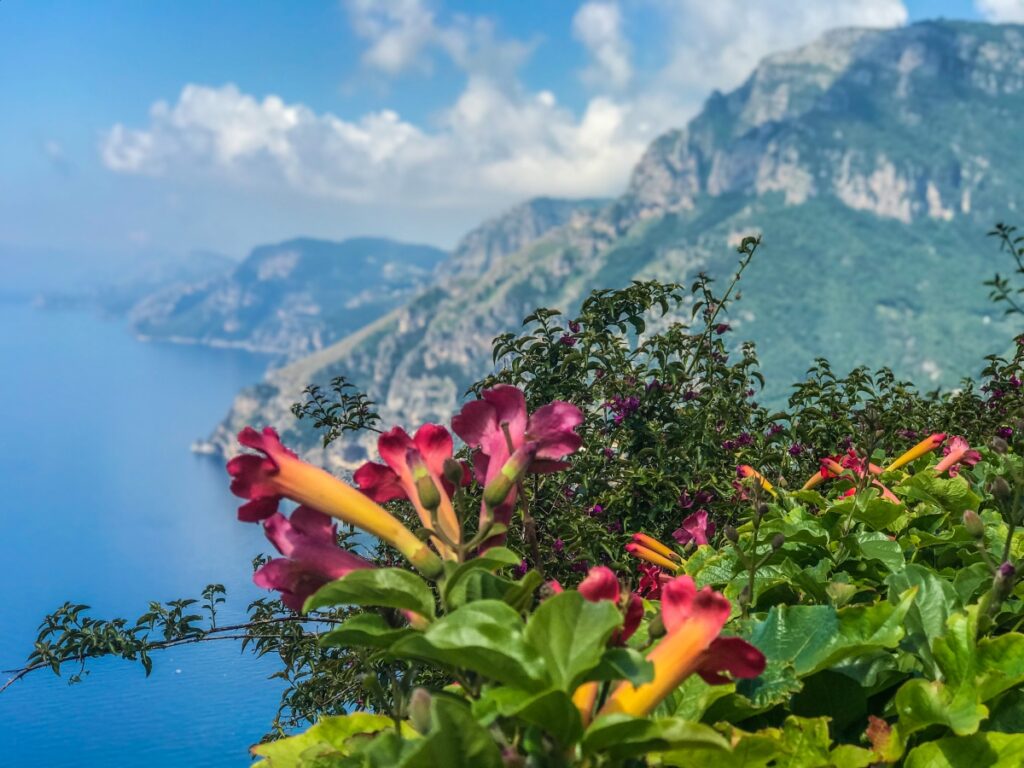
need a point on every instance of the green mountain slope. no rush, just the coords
(872, 161)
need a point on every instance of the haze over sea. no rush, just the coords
(104, 504)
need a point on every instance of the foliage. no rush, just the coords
(882, 590)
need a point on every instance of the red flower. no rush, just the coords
(602, 584)
(693, 620)
(403, 457)
(695, 528)
(534, 443)
(308, 540)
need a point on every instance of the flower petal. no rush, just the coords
(434, 443)
(509, 407)
(552, 426)
(600, 584)
(733, 655)
(475, 423)
(379, 482)
(393, 446)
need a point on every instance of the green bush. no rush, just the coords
(860, 545)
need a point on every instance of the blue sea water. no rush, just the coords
(102, 503)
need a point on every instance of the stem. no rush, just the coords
(218, 633)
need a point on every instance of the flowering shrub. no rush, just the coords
(633, 562)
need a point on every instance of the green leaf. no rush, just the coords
(327, 737)
(950, 495)
(485, 636)
(879, 514)
(552, 711)
(801, 640)
(384, 587)
(622, 736)
(955, 700)
(455, 739)
(490, 561)
(874, 545)
(367, 630)
(922, 703)
(570, 633)
(622, 664)
(936, 600)
(991, 750)
(694, 697)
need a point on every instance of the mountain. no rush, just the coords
(873, 162)
(291, 298)
(115, 284)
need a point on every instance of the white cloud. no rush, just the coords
(489, 143)
(1001, 10)
(404, 35)
(598, 25)
(498, 141)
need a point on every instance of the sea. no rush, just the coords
(102, 503)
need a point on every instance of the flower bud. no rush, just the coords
(762, 510)
(781, 482)
(453, 472)
(973, 524)
(419, 710)
(656, 627)
(1002, 584)
(1000, 489)
(777, 541)
(511, 473)
(998, 445)
(731, 534)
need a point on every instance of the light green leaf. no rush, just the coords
(327, 737)
(991, 750)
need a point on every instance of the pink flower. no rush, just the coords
(957, 452)
(404, 457)
(695, 528)
(538, 444)
(601, 583)
(279, 474)
(308, 540)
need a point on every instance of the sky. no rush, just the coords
(172, 126)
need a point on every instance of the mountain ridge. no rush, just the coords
(873, 160)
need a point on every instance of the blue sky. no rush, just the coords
(164, 127)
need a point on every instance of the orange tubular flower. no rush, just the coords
(653, 544)
(693, 620)
(745, 471)
(279, 473)
(642, 552)
(927, 445)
